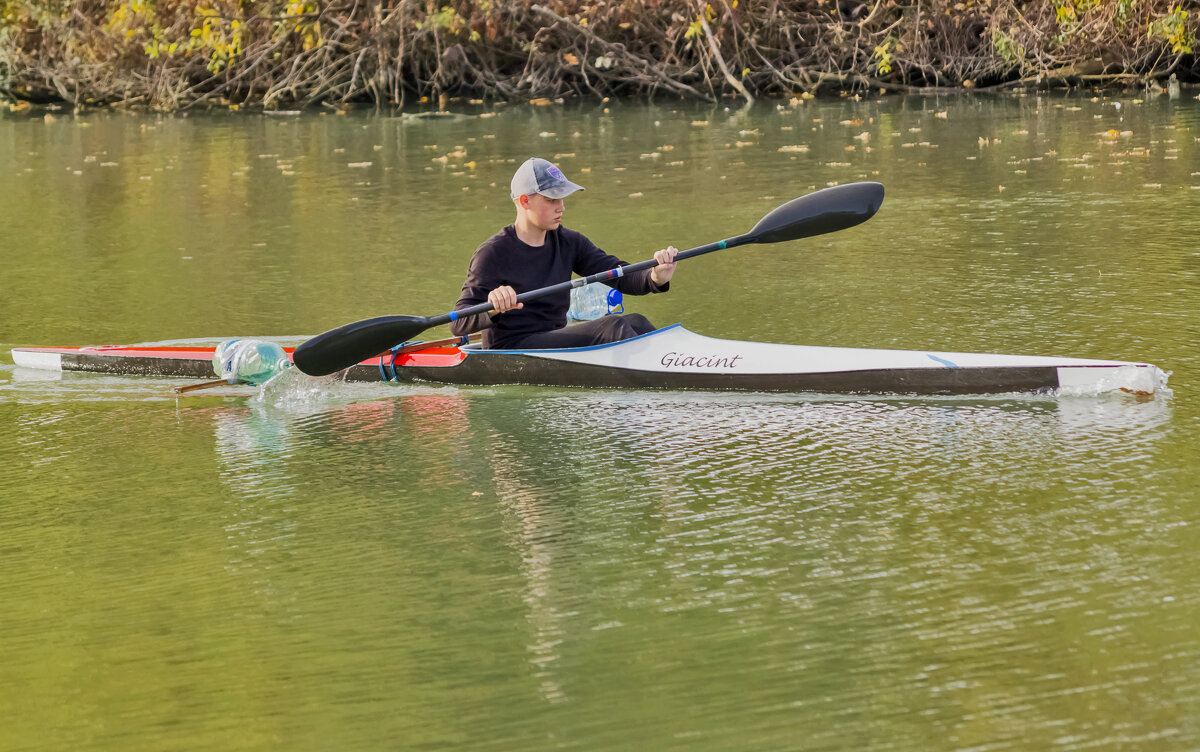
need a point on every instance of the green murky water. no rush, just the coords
(323, 566)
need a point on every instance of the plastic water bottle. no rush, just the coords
(249, 361)
(593, 301)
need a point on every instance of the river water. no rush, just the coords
(318, 565)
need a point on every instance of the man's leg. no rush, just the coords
(596, 332)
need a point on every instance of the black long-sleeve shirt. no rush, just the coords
(504, 259)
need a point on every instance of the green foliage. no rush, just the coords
(446, 19)
(1008, 48)
(1174, 31)
(883, 54)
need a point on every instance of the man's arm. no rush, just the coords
(590, 260)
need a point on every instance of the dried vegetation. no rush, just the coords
(174, 54)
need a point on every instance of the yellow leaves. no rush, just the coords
(570, 59)
(1064, 12)
(696, 28)
(1173, 29)
(883, 55)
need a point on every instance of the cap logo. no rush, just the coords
(555, 173)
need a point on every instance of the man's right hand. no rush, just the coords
(504, 299)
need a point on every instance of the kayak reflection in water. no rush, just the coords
(536, 251)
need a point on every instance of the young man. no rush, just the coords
(536, 251)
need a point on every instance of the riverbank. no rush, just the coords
(172, 55)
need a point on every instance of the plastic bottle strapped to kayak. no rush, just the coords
(593, 301)
(249, 361)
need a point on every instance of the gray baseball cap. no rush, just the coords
(539, 176)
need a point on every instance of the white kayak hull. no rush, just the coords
(674, 358)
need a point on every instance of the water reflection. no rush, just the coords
(752, 506)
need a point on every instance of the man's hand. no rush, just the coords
(504, 299)
(662, 273)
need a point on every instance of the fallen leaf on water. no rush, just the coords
(794, 147)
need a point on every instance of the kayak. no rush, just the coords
(669, 358)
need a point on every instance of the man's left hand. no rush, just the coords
(662, 273)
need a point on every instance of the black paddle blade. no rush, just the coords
(827, 210)
(353, 343)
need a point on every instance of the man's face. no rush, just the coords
(546, 213)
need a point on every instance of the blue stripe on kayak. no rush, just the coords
(589, 348)
(943, 361)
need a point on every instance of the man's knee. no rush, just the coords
(638, 323)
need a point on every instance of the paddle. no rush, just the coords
(826, 210)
